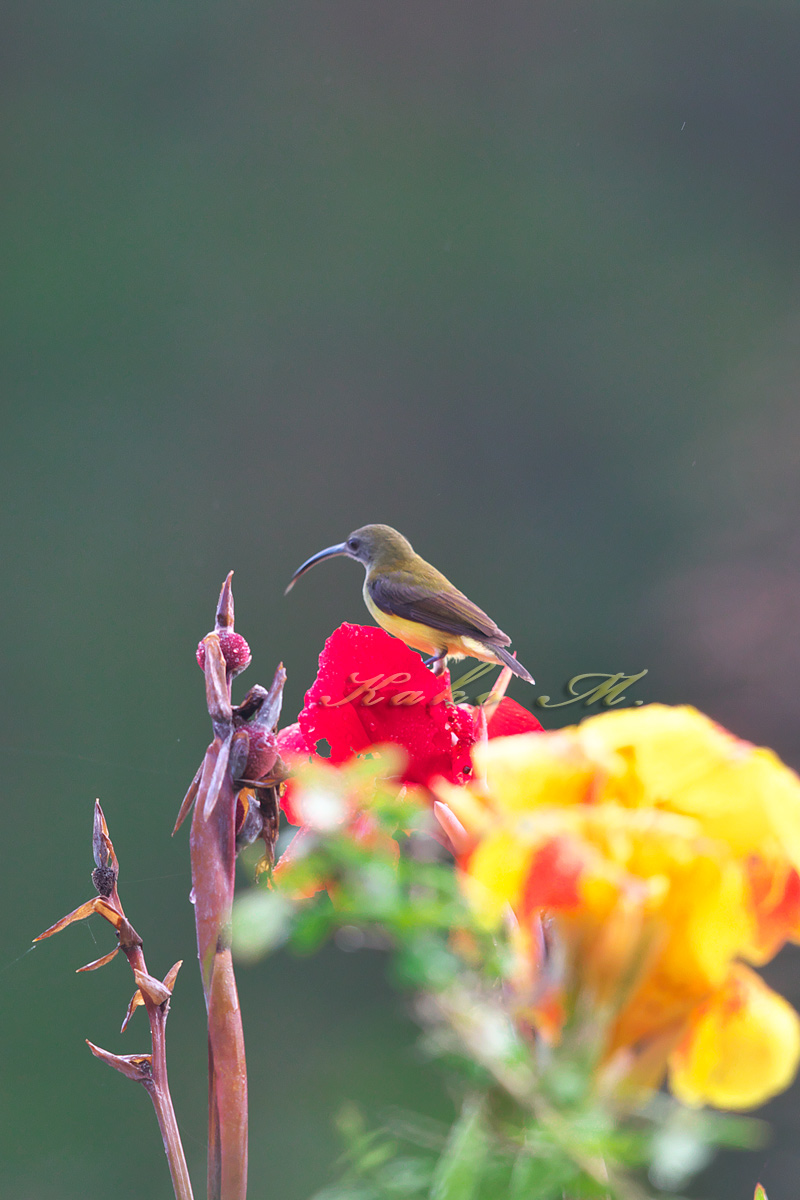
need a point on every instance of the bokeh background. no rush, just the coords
(518, 278)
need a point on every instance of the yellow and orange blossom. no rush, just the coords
(644, 854)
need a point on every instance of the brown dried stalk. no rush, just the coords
(235, 798)
(148, 1069)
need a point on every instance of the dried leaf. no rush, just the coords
(137, 999)
(251, 703)
(269, 713)
(78, 914)
(155, 991)
(217, 699)
(239, 753)
(138, 1067)
(264, 864)
(216, 770)
(172, 974)
(224, 619)
(128, 937)
(188, 800)
(252, 821)
(99, 962)
(103, 909)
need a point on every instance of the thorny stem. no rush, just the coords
(148, 1069)
(157, 1084)
(158, 1088)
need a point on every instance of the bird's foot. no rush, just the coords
(437, 662)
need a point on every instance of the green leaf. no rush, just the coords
(545, 1175)
(459, 1171)
(405, 1177)
(760, 1194)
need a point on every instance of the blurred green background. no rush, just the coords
(520, 279)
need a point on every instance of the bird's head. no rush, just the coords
(372, 545)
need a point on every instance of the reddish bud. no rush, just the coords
(262, 753)
(235, 651)
(258, 715)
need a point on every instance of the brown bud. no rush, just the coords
(104, 879)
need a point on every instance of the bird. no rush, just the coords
(418, 604)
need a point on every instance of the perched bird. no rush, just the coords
(415, 602)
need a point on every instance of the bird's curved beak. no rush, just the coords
(331, 552)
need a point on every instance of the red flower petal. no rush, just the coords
(293, 749)
(509, 718)
(555, 872)
(372, 688)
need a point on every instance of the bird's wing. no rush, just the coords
(449, 610)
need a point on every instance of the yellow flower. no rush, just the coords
(680, 760)
(660, 850)
(743, 1047)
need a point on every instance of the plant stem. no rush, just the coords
(165, 1113)
(157, 1086)
(213, 859)
(227, 1086)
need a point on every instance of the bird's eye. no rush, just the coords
(353, 544)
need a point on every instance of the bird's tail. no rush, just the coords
(511, 663)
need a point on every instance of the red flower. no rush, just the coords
(372, 689)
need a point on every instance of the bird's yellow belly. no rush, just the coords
(427, 639)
